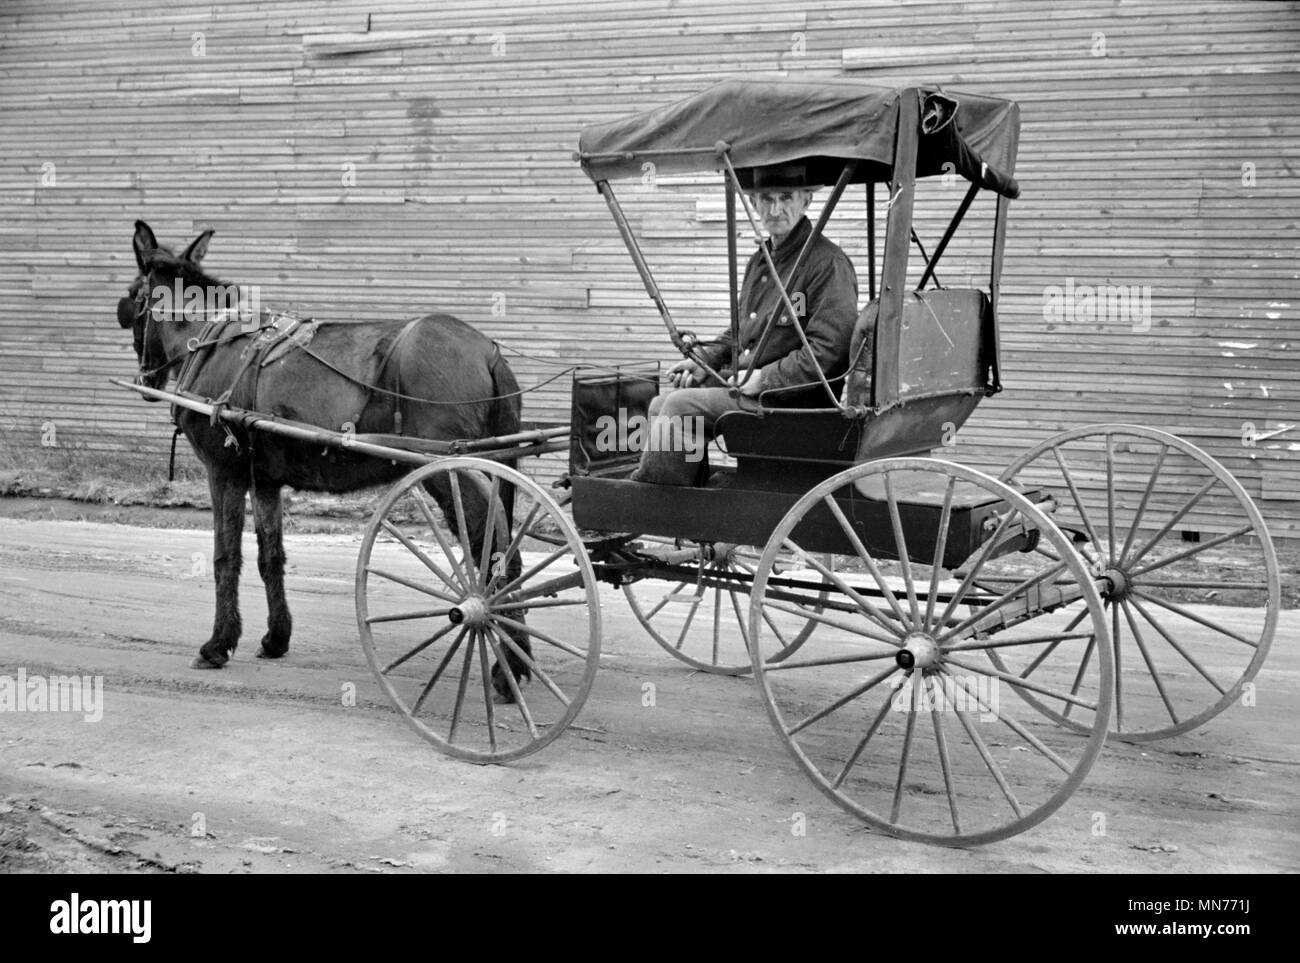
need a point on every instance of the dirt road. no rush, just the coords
(261, 766)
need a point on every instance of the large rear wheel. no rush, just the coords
(1187, 570)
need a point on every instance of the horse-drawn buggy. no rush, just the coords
(899, 612)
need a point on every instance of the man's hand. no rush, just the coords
(685, 374)
(752, 385)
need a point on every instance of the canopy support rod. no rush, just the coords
(732, 281)
(871, 240)
(929, 264)
(947, 235)
(845, 176)
(685, 342)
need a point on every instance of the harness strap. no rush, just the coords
(252, 357)
(197, 347)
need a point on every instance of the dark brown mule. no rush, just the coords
(440, 359)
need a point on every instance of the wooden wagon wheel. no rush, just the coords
(437, 612)
(1128, 492)
(901, 641)
(703, 621)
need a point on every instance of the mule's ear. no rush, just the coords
(144, 243)
(198, 247)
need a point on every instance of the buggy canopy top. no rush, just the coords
(822, 123)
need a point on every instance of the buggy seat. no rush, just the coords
(942, 366)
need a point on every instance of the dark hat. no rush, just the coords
(783, 177)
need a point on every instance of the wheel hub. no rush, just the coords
(473, 611)
(1116, 585)
(919, 651)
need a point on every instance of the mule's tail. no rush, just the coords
(507, 403)
(505, 419)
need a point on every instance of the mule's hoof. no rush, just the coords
(264, 653)
(203, 662)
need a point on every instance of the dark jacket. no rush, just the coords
(826, 289)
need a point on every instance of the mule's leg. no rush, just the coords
(476, 508)
(268, 522)
(228, 529)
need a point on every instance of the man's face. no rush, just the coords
(781, 210)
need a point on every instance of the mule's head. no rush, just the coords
(154, 306)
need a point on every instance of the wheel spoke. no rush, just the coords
(413, 585)
(489, 535)
(460, 692)
(462, 529)
(690, 617)
(740, 620)
(828, 660)
(862, 743)
(776, 630)
(1078, 676)
(1056, 637)
(549, 640)
(1074, 493)
(437, 672)
(944, 764)
(827, 620)
(533, 667)
(940, 546)
(984, 556)
(717, 620)
(900, 543)
(408, 616)
(1019, 683)
(978, 742)
(907, 750)
(525, 576)
(1178, 648)
(842, 701)
(1039, 659)
(1146, 657)
(1201, 547)
(419, 553)
(1191, 583)
(443, 544)
(536, 604)
(1177, 517)
(1200, 620)
(864, 603)
(517, 540)
(1142, 505)
(1015, 727)
(487, 690)
(1110, 497)
(1119, 667)
(513, 684)
(863, 554)
(417, 650)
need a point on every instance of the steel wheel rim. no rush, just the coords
(485, 639)
(1148, 631)
(1020, 820)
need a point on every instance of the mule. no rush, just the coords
(437, 358)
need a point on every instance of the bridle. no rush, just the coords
(209, 335)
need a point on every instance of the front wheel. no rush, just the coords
(891, 709)
(446, 600)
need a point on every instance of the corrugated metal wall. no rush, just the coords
(386, 158)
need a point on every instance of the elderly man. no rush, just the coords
(825, 290)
